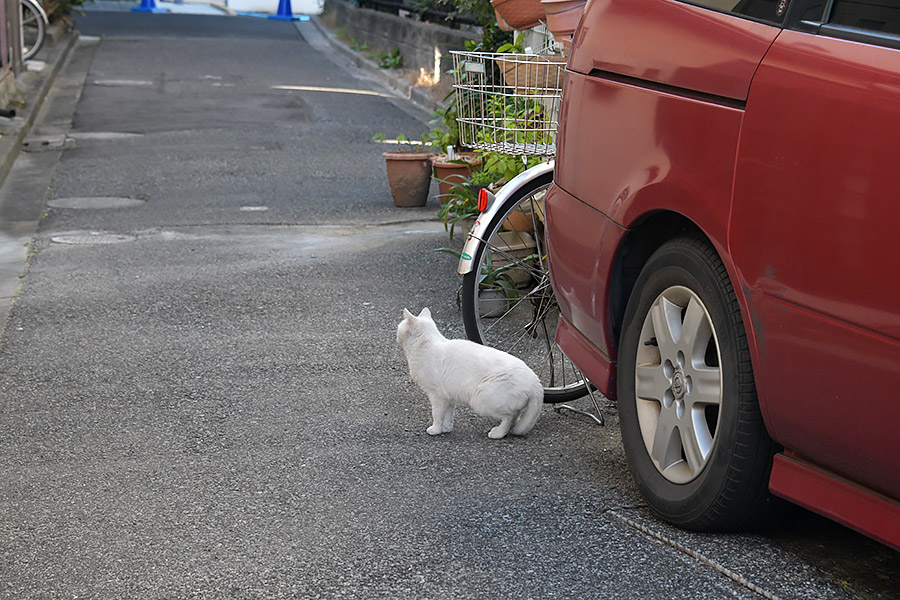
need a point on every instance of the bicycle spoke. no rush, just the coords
(524, 324)
(513, 259)
(527, 297)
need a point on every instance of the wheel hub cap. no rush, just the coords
(678, 384)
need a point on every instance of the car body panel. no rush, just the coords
(781, 148)
(648, 157)
(814, 237)
(660, 149)
(718, 58)
(836, 498)
(590, 239)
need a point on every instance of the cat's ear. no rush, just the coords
(407, 314)
(425, 313)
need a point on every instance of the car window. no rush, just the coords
(867, 21)
(764, 10)
(814, 10)
(875, 15)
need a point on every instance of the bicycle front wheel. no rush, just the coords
(33, 21)
(507, 300)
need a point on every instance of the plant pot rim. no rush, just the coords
(569, 3)
(519, 14)
(407, 155)
(471, 158)
(562, 10)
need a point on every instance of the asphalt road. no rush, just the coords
(200, 390)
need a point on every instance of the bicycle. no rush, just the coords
(509, 103)
(33, 24)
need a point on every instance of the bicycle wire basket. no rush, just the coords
(508, 103)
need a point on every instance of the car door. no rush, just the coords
(814, 235)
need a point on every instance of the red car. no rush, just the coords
(724, 239)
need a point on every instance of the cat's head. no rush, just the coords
(411, 322)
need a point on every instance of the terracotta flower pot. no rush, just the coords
(501, 22)
(562, 16)
(518, 221)
(532, 74)
(409, 175)
(525, 216)
(449, 173)
(520, 14)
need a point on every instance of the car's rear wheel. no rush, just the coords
(693, 434)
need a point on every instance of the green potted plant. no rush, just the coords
(497, 289)
(408, 172)
(454, 168)
(461, 202)
(452, 164)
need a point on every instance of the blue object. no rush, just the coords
(149, 6)
(284, 12)
(244, 13)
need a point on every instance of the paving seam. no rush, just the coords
(718, 567)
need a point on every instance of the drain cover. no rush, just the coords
(44, 143)
(122, 82)
(97, 202)
(93, 237)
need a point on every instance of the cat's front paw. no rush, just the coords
(434, 430)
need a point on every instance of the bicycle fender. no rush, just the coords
(476, 234)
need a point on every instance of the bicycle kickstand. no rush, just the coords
(597, 415)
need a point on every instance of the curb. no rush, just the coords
(396, 84)
(33, 87)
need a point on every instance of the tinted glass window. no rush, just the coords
(814, 11)
(875, 15)
(765, 10)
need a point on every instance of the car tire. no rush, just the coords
(694, 437)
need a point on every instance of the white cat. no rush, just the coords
(454, 372)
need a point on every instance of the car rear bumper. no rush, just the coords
(582, 244)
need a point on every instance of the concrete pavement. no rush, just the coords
(201, 395)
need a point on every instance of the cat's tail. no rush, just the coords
(529, 416)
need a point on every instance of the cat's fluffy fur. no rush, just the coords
(454, 372)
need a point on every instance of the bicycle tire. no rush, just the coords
(33, 22)
(525, 323)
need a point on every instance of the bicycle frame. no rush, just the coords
(476, 235)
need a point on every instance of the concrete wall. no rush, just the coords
(425, 47)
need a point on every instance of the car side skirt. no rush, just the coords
(859, 508)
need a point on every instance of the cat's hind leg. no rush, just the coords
(439, 411)
(447, 425)
(502, 429)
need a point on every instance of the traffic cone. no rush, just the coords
(284, 12)
(149, 6)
